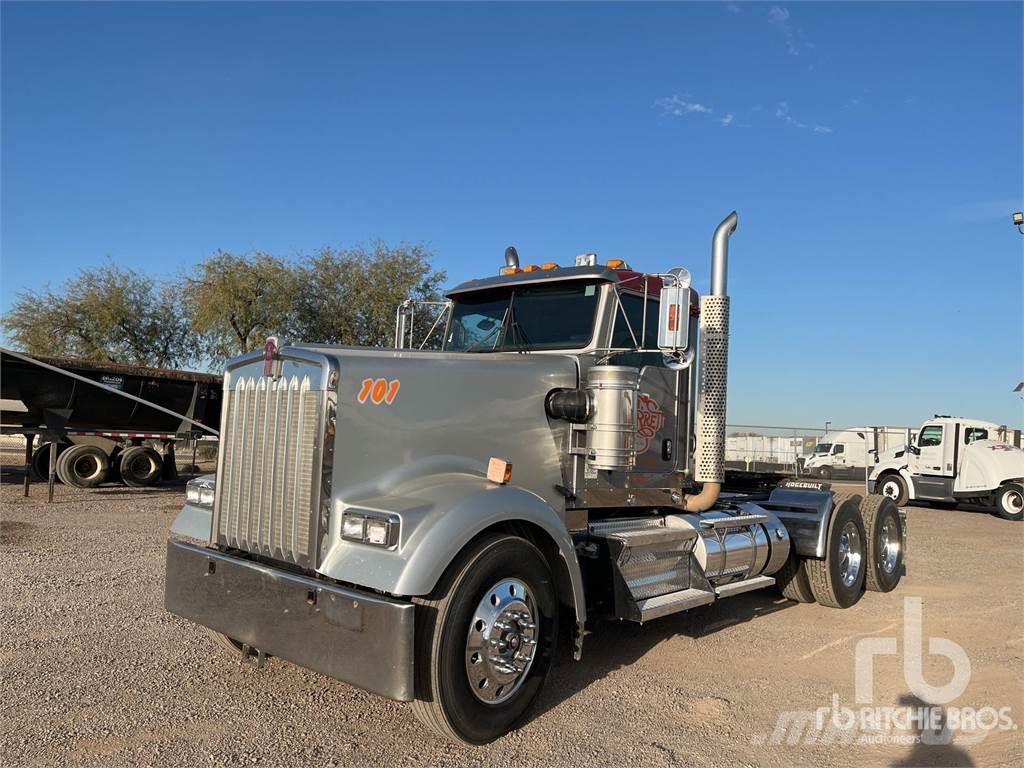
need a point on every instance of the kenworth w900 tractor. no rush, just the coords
(433, 525)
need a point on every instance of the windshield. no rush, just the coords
(546, 316)
(822, 448)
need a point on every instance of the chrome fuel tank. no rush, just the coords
(735, 545)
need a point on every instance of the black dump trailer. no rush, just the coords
(67, 411)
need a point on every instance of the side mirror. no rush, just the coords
(674, 313)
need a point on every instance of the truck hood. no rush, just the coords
(987, 464)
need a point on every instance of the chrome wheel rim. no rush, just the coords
(1013, 503)
(891, 489)
(889, 545)
(850, 554)
(501, 642)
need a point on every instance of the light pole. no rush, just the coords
(826, 426)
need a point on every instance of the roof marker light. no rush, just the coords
(509, 270)
(617, 264)
(549, 265)
(530, 268)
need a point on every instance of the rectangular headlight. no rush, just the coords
(374, 528)
(352, 526)
(200, 491)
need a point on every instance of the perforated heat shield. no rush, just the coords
(714, 362)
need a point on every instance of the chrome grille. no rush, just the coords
(270, 436)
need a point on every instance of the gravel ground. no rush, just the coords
(96, 673)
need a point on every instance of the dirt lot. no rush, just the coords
(96, 673)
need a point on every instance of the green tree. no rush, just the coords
(105, 314)
(235, 302)
(349, 296)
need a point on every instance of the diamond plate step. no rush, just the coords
(673, 602)
(647, 536)
(738, 521)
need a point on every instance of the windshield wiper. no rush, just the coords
(493, 332)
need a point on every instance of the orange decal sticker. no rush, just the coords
(364, 392)
(379, 391)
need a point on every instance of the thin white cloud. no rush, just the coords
(732, 8)
(677, 106)
(727, 120)
(778, 17)
(782, 112)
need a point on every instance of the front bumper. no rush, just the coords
(354, 636)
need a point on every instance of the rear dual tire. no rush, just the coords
(140, 466)
(83, 466)
(837, 581)
(886, 542)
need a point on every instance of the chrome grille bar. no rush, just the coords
(271, 440)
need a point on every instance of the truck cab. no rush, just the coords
(841, 454)
(955, 460)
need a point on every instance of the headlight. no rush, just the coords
(200, 491)
(379, 530)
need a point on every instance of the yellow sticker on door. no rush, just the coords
(379, 391)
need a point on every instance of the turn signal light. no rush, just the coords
(499, 471)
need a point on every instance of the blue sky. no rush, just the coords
(874, 152)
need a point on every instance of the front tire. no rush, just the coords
(1010, 502)
(838, 580)
(894, 487)
(485, 639)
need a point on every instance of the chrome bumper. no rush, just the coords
(357, 637)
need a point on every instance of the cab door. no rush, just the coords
(661, 390)
(926, 457)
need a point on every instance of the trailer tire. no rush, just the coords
(450, 691)
(886, 540)
(83, 466)
(41, 460)
(838, 580)
(792, 580)
(1010, 502)
(140, 465)
(893, 486)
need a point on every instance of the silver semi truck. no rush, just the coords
(433, 526)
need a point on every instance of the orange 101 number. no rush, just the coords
(379, 391)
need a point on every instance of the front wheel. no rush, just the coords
(893, 486)
(485, 640)
(1010, 502)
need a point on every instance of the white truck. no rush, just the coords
(842, 454)
(955, 460)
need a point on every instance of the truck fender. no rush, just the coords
(439, 516)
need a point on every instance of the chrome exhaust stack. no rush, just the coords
(709, 457)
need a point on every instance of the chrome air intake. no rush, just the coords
(611, 431)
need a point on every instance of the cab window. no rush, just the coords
(634, 308)
(930, 437)
(839, 448)
(975, 433)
